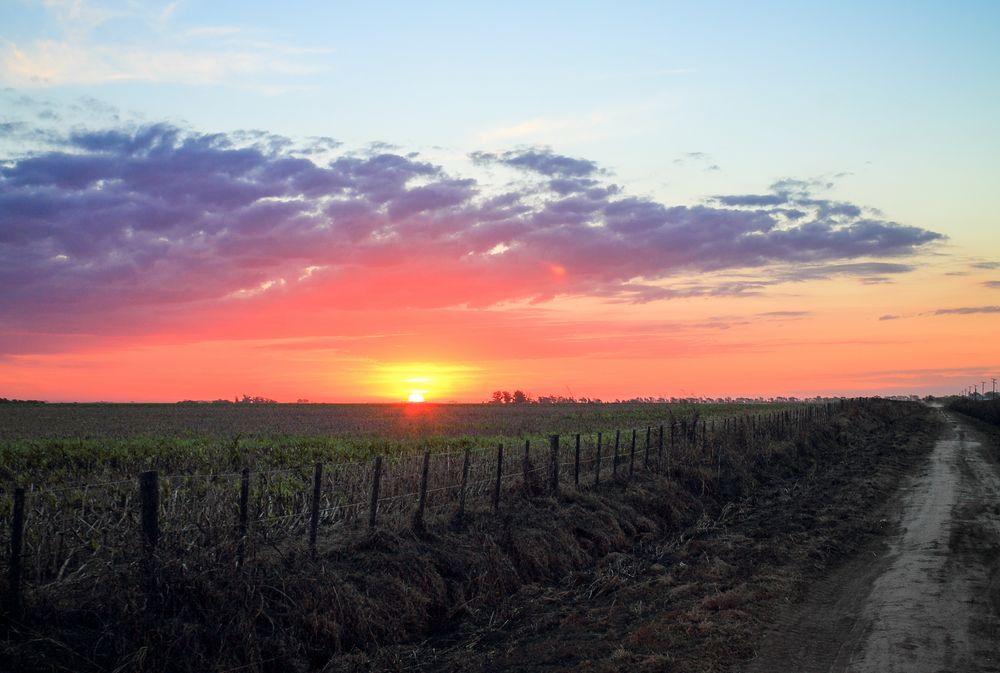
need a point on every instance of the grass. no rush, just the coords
(52, 444)
(987, 411)
(353, 604)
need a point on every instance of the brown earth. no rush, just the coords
(924, 599)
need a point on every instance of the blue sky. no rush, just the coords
(804, 168)
(904, 95)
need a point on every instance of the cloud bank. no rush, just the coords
(155, 215)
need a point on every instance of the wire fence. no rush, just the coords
(67, 533)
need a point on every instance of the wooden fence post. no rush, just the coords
(597, 461)
(614, 463)
(149, 511)
(645, 458)
(149, 503)
(659, 450)
(13, 598)
(631, 457)
(376, 483)
(673, 443)
(554, 460)
(576, 464)
(526, 465)
(465, 483)
(496, 488)
(241, 544)
(418, 516)
(314, 509)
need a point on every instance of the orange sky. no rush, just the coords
(810, 338)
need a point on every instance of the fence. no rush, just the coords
(64, 535)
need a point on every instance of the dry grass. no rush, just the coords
(353, 605)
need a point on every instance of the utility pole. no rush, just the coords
(994, 390)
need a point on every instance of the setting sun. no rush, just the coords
(416, 396)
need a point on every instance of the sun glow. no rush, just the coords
(420, 381)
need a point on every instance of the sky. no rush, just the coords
(357, 202)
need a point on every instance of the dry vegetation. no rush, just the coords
(670, 570)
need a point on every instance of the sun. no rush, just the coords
(416, 396)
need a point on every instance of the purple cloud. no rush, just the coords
(156, 216)
(543, 161)
(993, 284)
(753, 200)
(967, 310)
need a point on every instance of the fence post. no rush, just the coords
(645, 459)
(149, 510)
(526, 465)
(314, 510)
(576, 464)
(673, 446)
(376, 482)
(597, 461)
(149, 503)
(659, 450)
(614, 463)
(244, 500)
(554, 459)
(631, 456)
(418, 516)
(465, 483)
(16, 547)
(496, 488)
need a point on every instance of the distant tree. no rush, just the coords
(520, 397)
(497, 397)
(506, 397)
(247, 399)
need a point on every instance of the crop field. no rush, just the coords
(55, 443)
(289, 470)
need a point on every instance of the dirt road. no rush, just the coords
(925, 600)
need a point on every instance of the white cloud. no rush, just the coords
(54, 63)
(156, 52)
(601, 122)
(542, 127)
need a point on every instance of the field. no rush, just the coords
(316, 537)
(54, 443)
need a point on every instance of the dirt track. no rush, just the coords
(927, 598)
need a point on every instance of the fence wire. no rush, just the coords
(76, 527)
